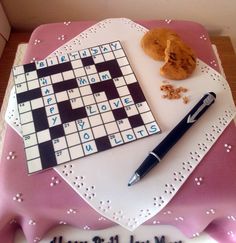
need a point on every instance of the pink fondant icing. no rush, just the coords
(206, 202)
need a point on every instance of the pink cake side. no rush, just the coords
(201, 204)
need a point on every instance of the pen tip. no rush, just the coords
(135, 178)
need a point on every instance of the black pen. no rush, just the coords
(170, 140)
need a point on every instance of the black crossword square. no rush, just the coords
(119, 113)
(136, 121)
(75, 105)
(40, 119)
(56, 131)
(29, 67)
(103, 143)
(47, 157)
(87, 61)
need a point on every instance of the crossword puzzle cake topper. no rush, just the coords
(80, 103)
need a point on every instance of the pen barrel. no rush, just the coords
(147, 165)
(171, 139)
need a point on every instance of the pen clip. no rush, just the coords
(207, 101)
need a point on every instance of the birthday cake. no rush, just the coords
(85, 109)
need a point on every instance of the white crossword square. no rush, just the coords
(131, 110)
(62, 156)
(126, 70)
(130, 78)
(63, 58)
(41, 64)
(142, 107)
(74, 56)
(77, 64)
(104, 106)
(105, 48)
(89, 147)
(34, 84)
(88, 100)
(98, 59)
(115, 139)
(115, 45)
(101, 96)
(73, 93)
(31, 75)
(82, 81)
(37, 103)
(147, 117)
(43, 136)
(90, 69)
(91, 109)
(52, 110)
(76, 152)
(28, 128)
(93, 78)
(18, 70)
(119, 53)
(34, 165)
(73, 139)
(70, 127)
(76, 103)
(116, 103)
(82, 124)
(128, 135)
(52, 61)
(56, 78)
(104, 76)
(49, 99)
(95, 120)
(119, 81)
(108, 117)
(45, 81)
(24, 107)
(124, 124)
(140, 131)
(95, 50)
(30, 140)
(68, 75)
(109, 56)
(47, 90)
(86, 135)
(85, 90)
(20, 78)
(79, 72)
(62, 96)
(59, 143)
(111, 127)
(123, 90)
(123, 61)
(32, 152)
(26, 117)
(54, 120)
(20, 88)
(85, 53)
(99, 131)
(152, 128)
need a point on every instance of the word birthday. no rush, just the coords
(114, 239)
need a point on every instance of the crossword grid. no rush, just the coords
(77, 104)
